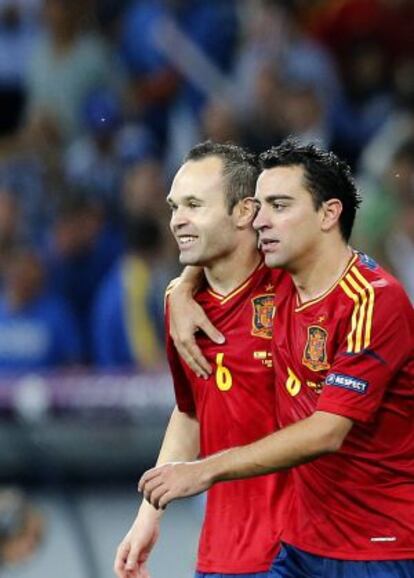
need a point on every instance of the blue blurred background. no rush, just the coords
(99, 102)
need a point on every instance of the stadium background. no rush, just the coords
(99, 101)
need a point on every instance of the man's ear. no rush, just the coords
(331, 211)
(244, 213)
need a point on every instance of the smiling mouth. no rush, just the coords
(186, 241)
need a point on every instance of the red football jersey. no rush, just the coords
(236, 406)
(351, 352)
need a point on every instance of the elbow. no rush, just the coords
(331, 433)
(331, 443)
(326, 443)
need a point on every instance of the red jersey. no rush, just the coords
(351, 353)
(234, 407)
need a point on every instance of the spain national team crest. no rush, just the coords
(314, 354)
(263, 313)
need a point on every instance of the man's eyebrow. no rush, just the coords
(276, 197)
(185, 199)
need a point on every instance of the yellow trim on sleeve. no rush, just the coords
(361, 292)
(370, 308)
(361, 313)
(351, 295)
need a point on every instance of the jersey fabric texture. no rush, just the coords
(236, 406)
(351, 352)
(294, 563)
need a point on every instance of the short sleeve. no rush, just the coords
(376, 346)
(182, 387)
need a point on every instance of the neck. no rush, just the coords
(230, 272)
(319, 271)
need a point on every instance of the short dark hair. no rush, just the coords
(326, 177)
(240, 168)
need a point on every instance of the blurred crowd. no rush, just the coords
(101, 99)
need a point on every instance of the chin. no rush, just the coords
(273, 262)
(188, 260)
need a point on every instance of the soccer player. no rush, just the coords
(343, 347)
(212, 214)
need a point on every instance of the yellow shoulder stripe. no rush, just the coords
(361, 292)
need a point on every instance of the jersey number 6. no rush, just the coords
(224, 379)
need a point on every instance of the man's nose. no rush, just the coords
(178, 218)
(261, 220)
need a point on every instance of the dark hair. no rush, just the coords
(240, 169)
(326, 177)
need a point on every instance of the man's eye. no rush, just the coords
(278, 206)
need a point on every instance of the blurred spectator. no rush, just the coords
(274, 39)
(387, 202)
(96, 161)
(263, 126)
(18, 27)
(127, 323)
(109, 14)
(399, 244)
(144, 188)
(369, 38)
(155, 81)
(398, 128)
(37, 330)
(143, 192)
(10, 222)
(81, 248)
(367, 101)
(303, 115)
(22, 171)
(219, 122)
(390, 22)
(67, 64)
(21, 527)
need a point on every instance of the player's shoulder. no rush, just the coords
(171, 286)
(365, 277)
(380, 279)
(200, 294)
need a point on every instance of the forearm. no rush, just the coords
(297, 444)
(181, 441)
(190, 280)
